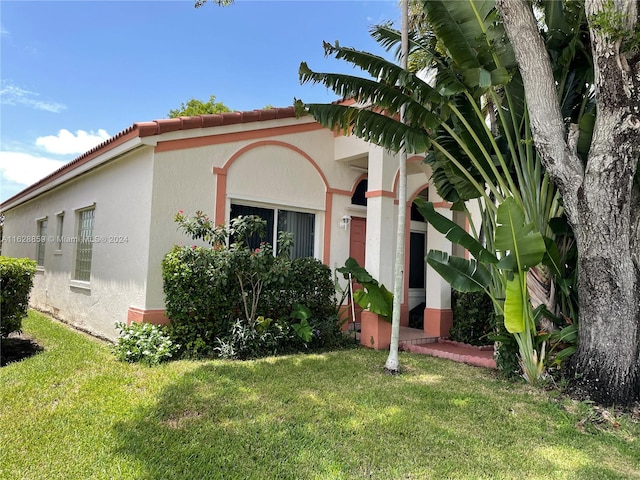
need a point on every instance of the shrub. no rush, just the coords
(16, 280)
(267, 337)
(145, 343)
(202, 298)
(215, 296)
(473, 318)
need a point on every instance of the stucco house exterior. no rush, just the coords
(100, 225)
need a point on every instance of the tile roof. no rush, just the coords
(157, 127)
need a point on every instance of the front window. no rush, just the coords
(41, 241)
(84, 245)
(300, 224)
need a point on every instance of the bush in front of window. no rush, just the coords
(216, 296)
(16, 280)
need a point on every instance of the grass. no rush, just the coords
(74, 412)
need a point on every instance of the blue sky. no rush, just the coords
(77, 72)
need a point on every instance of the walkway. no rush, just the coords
(413, 340)
(458, 352)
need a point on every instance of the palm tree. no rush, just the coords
(474, 78)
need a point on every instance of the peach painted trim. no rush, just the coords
(221, 190)
(364, 176)
(184, 143)
(221, 196)
(446, 205)
(379, 193)
(328, 215)
(277, 143)
(140, 315)
(338, 191)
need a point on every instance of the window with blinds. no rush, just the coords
(300, 224)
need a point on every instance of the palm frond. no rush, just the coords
(371, 126)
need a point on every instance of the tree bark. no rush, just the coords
(601, 199)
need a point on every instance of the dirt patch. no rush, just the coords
(16, 348)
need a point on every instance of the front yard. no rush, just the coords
(74, 412)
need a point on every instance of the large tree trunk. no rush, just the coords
(601, 199)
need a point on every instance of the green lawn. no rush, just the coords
(74, 412)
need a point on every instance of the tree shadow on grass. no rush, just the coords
(321, 417)
(16, 348)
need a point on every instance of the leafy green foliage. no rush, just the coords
(198, 107)
(471, 122)
(302, 329)
(473, 318)
(236, 302)
(373, 296)
(144, 343)
(16, 280)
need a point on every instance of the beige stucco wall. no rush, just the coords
(121, 193)
(293, 169)
(137, 195)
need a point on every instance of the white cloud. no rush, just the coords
(13, 95)
(67, 143)
(26, 169)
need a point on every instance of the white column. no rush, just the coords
(438, 317)
(381, 216)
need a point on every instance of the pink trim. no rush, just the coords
(379, 193)
(446, 205)
(277, 143)
(326, 244)
(221, 196)
(338, 191)
(184, 143)
(221, 189)
(140, 315)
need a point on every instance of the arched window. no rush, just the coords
(358, 197)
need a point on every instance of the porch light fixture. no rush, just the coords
(344, 222)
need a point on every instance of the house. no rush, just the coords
(100, 225)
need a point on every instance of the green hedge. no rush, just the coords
(473, 318)
(203, 297)
(200, 297)
(16, 280)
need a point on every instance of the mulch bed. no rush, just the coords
(17, 347)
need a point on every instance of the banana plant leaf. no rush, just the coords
(515, 304)
(462, 274)
(522, 247)
(376, 299)
(454, 232)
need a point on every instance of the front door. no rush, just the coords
(357, 247)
